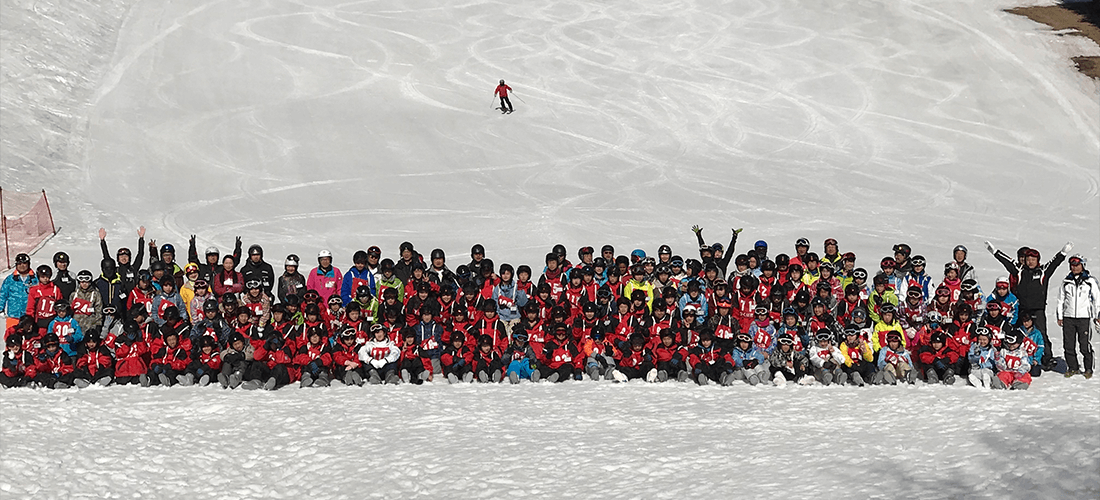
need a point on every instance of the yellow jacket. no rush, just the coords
(855, 351)
(644, 286)
(878, 338)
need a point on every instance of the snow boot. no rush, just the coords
(307, 381)
(974, 379)
(779, 380)
(270, 384)
(406, 376)
(164, 380)
(753, 379)
(497, 376)
(911, 376)
(826, 378)
(1088, 374)
(483, 377)
(468, 377)
(702, 379)
(619, 376)
(807, 380)
(425, 375)
(81, 383)
(321, 381)
(105, 381)
(683, 376)
(204, 380)
(535, 375)
(609, 373)
(651, 376)
(452, 378)
(553, 377)
(997, 383)
(857, 379)
(513, 377)
(60, 385)
(374, 379)
(1070, 373)
(392, 379)
(662, 376)
(949, 376)
(250, 385)
(1019, 386)
(223, 380)
(356, 378)
(235, 379)
(889, 378)
(931, 376)
(723, 377)
(841, 378)
(593, 372)
(186, 379)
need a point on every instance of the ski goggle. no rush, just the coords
(943, 292)
(84, 279)
(1074, 261)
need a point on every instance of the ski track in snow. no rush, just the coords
(564, 441)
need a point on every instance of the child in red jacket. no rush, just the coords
(670, 358)
(52, 367)
(487, 362)
(131, 353)
(207, 363)
(346, 367)
(939, 360)
(635, 362)
(558, 355)
(413, 367)
(169, 362)
(457, 360)
(95, 366)
(273, 366)
(16, 362)
(314, 359)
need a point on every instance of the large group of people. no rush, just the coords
(721, 318)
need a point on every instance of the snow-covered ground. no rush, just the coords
(573, 440)
(310, 124)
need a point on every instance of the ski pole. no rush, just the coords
(518, 97)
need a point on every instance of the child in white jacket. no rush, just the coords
(827, 359)
(379, 356)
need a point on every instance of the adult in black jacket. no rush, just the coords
(1031, 288)
(291, 282)
(255, 269)
(728, 252)
(126, 266)
(111, 287)
(212, 265)
(404, 267)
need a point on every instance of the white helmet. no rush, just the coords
(1084, 261)
(212, 251)
(324, 253)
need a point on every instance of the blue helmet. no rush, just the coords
(638, 253)
(760, 244)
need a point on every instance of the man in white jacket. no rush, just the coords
(1078, 308)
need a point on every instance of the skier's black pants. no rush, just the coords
(457, 370)
(49, 379)
(639, 372)
(415, 368)
(505, 103)
(711, 371)
(99, 375)
(127, 380)
(865, 369)
(1077, 332)
(169, 373)
(260, 372)
(672, 369)
(341, 372)
(791, 376)
(16, 381)
(199, 369)
(383, 372)
(565, 371)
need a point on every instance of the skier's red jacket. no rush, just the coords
(277, 357)
(41, 298)
(18, 364)
(712, 355)
(559, 352)
(130, 357)
(313, 352)
(664, 354)
(451, 355)
(342, 353)
(212, 361)
(494, 328)
(175, 358)
(502, 90)
(44, 362)
(94, 361)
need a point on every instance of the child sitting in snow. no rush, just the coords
(982, 357)
(939, 360)
(827, 359)
(894, 362)
(748, 361)
(1013, 363)
(788, 362)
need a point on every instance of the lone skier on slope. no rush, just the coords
(505, 103)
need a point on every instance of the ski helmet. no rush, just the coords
(256, 250)
(502, 82)
(60, 257)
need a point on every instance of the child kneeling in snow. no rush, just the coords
(788, 361)
(1012, 362)
(748, 361)
(827, 359)
(379, 357)
(894, 362)
(982, 357)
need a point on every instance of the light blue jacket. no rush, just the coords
(68, 342)
(514, 299)
(14, 292)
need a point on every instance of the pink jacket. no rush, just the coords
(325, 283)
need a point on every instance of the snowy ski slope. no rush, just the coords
(310, 124)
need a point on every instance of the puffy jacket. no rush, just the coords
(14, 293)
(646, 287)
(878, 338)
(87, 307)
(41, 298)
(763, 335)
(228, 282)
(858, 352)
(261, 272)
(429, 336)
(57, 362)
(112, 291)
(94, 361)
(1079, 297)
(510, 299)
(747, 359)
(820, 355)
(163, 301)
(130, 355)
(68, 331)
(893, 357)
(982, 357)
(291, 284)
(352, 280)
(379, 353)
(15, 365)
(1010, 303)
(1033, 343)
(1014, 360)
(1031, 284)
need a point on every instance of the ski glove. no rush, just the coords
(989, 246)
(1066, 249)
(695, 229)
(737, 231)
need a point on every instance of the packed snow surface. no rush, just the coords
(310, 124)
(569, 440)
